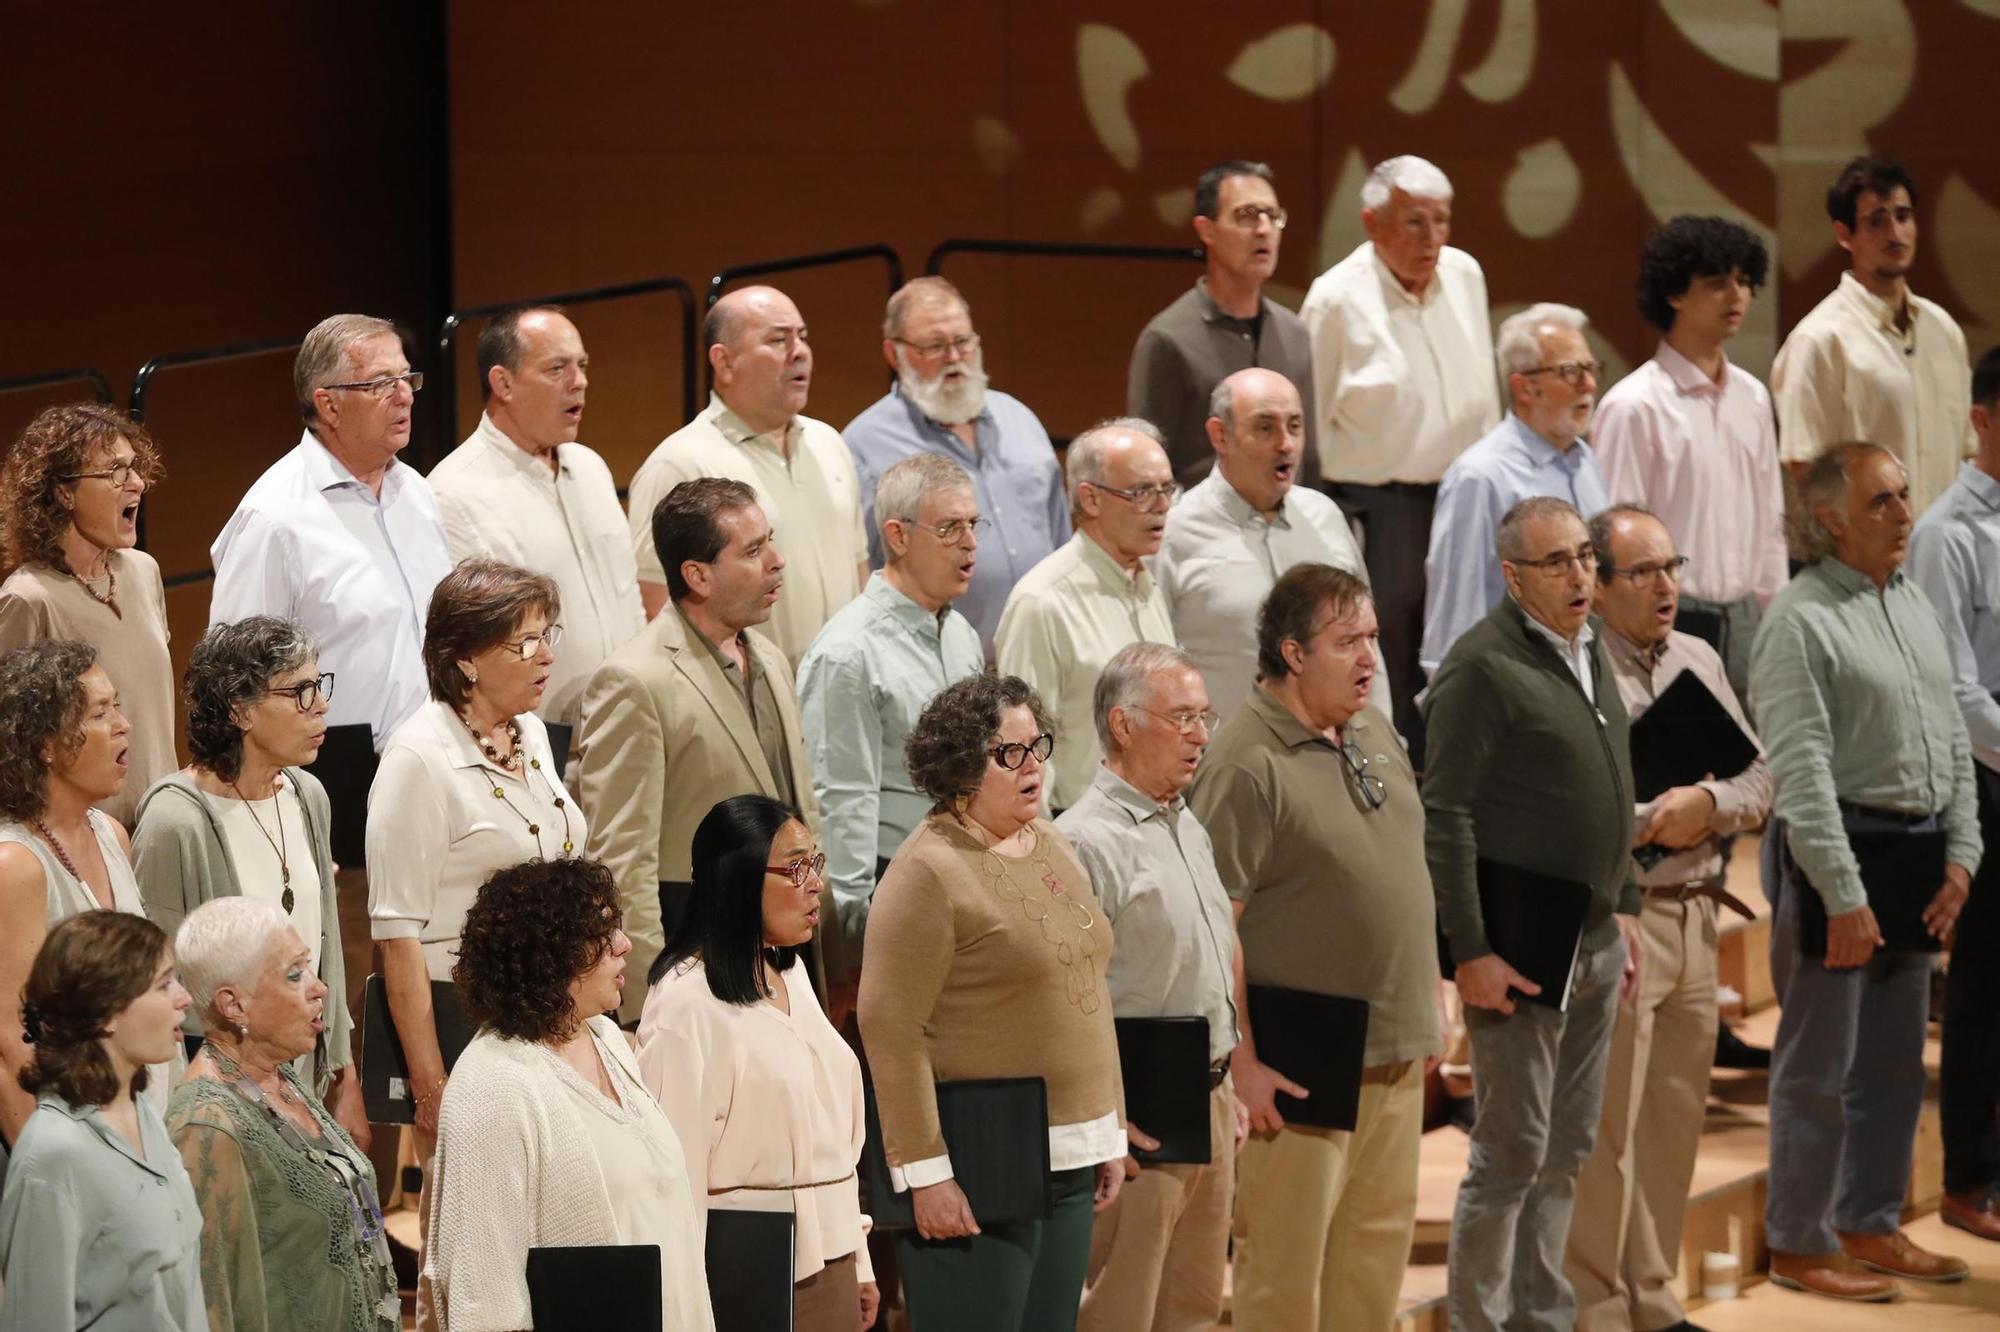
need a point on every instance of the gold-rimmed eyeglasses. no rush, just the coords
(384, 386)
(1143, 497)
(1185, 722)
(529, 644)
(1646, 573)
(119, 474)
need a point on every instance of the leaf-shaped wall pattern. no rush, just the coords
(1287, 65)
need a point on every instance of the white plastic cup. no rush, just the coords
(1719, 1273)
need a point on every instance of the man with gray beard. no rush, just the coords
(941, 404)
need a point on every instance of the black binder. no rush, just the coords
(750, 1257)
(1319, 1041)
(385, 1074)
(997, 1131)
(595, 1288)
(1902, 872)
(346, 768)
(1686, 734)
(1534, 921)
(558, 747)
(1706, 625)
(1165, 1064)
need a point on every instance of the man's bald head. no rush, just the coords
(758, 351)
(1257, 428)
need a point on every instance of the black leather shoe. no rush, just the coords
(1684, 1326)
(1731, 1051)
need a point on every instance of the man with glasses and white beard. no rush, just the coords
(941, 404)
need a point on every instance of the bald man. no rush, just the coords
(755, 430)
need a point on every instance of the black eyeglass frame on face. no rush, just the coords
(964, 344)
(798, 871)
(1042, 746)
(308, 693)
(1373, 789)
(1645, 573)
(1571, 372)
(385, 385)
(1145, 498)
(1558, 564)
(1249, 215)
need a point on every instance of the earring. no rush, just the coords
(242, 1031)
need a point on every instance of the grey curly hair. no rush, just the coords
(41, 705)
(947, 748)
(231, 667)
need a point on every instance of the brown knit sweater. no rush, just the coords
(962, 980)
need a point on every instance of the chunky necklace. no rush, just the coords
(109, 596)
(1079, 975)
(555, 798)
(278, 847)
(512, 762)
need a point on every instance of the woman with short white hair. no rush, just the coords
(291, 1225)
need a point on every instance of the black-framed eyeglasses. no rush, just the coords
(1012, 755)
(1572, 372)
(963, 345)
(1559, 563)
(1144, 497)
(812, 866)
(384, 386)
(1248, 216)
(1185, 722)
(1646, 573)
(529, 644)
(954, 532)
(119, 474)
(308, 693)
(1373, 789)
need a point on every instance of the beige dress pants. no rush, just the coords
(1631, 1195)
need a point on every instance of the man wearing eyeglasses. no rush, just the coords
(1224, 323)
(941, 404)
(1319, 839)
(868, 676)
(1538, 449)
(1631, 1195)
(1403, 373)
(1528, 768)
(1072, 612)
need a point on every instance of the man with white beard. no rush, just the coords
(941, 404)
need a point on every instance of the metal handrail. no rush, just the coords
(892, 261)
(1057, 250)
(136, 403)
(448, 337)
(44, 380)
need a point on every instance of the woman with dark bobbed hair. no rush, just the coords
(246, 820)
(986, 957)
(762, 1091)
(98, 1223)
(547, 1136)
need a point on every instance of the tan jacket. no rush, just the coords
(664, 737)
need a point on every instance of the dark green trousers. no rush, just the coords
(1014, 1276)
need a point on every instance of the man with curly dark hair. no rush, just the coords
(1690, 435)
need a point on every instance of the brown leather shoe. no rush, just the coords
(1972, 1212)
(1832, 1275)
(1895, 1255)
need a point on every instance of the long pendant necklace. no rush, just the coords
(562, 806)
(278, 846)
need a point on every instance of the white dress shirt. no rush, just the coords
(311, 543)
(1846, 372)
(1219, 559)
(1702, 456)
(504, 503)
(1403, 383)
(1955, 559)
(1575, 652)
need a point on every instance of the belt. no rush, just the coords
(1217, 1072)
(1848, 808)
(1710, 888)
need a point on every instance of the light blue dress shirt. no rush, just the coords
(862, 684)
(1014, 477)
(1955, 559)
(1510, 464)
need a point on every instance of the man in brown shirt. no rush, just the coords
(1319, 838)
(1625, 1234)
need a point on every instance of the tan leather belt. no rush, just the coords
(1709, 888)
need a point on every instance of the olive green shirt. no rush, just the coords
(761, 704)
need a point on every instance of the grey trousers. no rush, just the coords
(1538, 1085)
(1847, 1085)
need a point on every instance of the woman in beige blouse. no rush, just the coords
(763, 1093)
(69, 507)
(986, 957)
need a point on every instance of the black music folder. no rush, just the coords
(1685, 735)
(385, 1074)
(1534, 921)
(559, 735)
(1902, 872)
(1165, 1064)
(596, 1288)
(997, 1131)
(1318, 1041)
(346, 768)
(750, 1257)
(1706, 625)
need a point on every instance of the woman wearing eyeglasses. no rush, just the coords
(244, 819)
(467, 786)
(762, 1091)
(69, 511)
(291, 1228)
(986, 959)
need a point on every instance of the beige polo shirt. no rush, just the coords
(1336, 895)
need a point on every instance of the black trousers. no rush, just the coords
(1395, 523)
(1969, 1094)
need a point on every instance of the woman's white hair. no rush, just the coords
(226, 941)
(1412, 175)
(1518, 346)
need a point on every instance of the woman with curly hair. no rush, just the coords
(548, 1136)
(69, 513)
(99, 1227)
(63, 750)
(986, 958)
(245, 819)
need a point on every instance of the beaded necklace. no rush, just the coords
(555, 798)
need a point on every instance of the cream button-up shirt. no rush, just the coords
(805, 482)
(1846, 372)
(1403, 384)
(501, 502)
(1064, 620)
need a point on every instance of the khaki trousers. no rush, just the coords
(1324, 1217)
(1157, 1254)
(1631, 1195)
